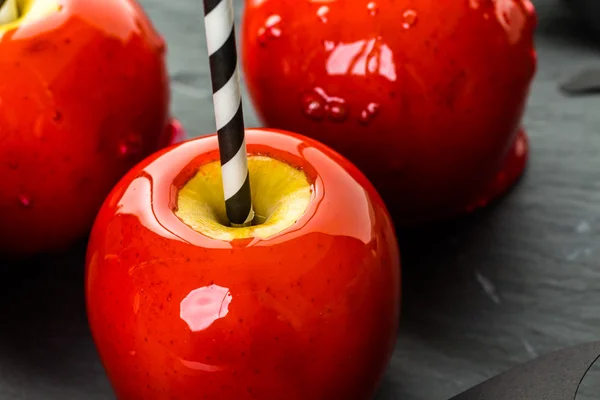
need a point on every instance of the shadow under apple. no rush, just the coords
(389, 388)
(438, 269)
(44, 336)
(448, 299)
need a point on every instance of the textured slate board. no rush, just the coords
(480, 296)
(589, 12)
(554, 376)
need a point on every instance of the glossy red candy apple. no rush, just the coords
(302, 305)
(425, 97)
(83, 97)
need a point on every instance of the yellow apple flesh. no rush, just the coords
(15, 12)
(280, 196)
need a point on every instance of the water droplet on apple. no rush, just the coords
(317, 104)
(329, 45)
(25, 201)
(322, 13)
(270, 30)
(337, 111)
(335, 107)
(315, 109)
(367, 115)
(475, 4)
(161, 45)
(409, 19)
(373, 9)
(365, 118)
(262, 37)
(373, 108)
(130, 146)
(313, 106)
(272, 20)
(275, 33)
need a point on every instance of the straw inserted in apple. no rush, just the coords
(9, 11)
(222, 52)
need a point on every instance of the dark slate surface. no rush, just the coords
(481, 295)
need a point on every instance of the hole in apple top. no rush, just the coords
(281, 194)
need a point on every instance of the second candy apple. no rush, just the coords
(302, 305)
(84, 96)
(426, 97)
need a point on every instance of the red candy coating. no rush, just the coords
(83, 97)
(425, 97)
(310, 313)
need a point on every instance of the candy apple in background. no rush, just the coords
(302, 305)
(425, 97)
(83, 97)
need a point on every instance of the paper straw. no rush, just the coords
(222, 52)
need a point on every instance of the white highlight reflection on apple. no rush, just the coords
(203, 306)
(364, 57)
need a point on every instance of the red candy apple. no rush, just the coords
(426, 97)
(83, 97)
(302, 305)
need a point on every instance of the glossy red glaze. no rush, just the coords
(83, 97)
(310, 313)
(426, 97)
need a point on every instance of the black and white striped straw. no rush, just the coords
(222, 52)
